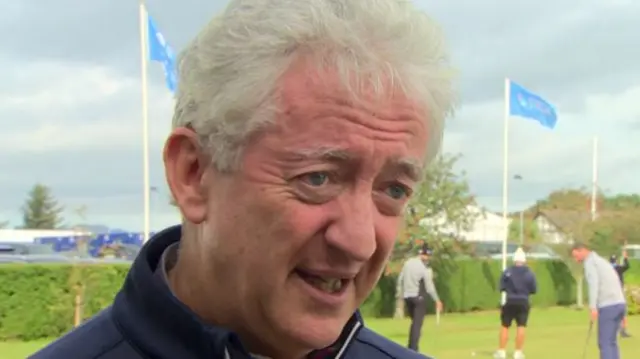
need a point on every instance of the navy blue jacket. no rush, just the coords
(620, 269)
(146, 321)
(519, 283)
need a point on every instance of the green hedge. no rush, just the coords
(473, 285)
(37, 301)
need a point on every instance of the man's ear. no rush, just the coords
(185, 166)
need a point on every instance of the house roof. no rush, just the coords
(565, 220)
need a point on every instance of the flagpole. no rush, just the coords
(505, 173)
(145, 120)
(594, 180)
(505, 177)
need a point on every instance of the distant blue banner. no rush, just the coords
(161, 52)
(527, 104)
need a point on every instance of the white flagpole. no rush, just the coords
(594, 181)
(505, 177)
(145, 119)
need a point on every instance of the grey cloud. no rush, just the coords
(108, 181)
(552, 46)
(547, 159)
(545, 169)
(105, 172)
(116, 107)
(100, 32)
(76, 105)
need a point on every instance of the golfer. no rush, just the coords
(606, 298)
(519, 283)
(621, 269)
(414, 283)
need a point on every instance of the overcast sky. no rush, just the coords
(70, 103)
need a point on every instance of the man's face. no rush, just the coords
(579, 254)
(299, 236)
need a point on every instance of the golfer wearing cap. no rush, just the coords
(621, 269)
(414, 283)
(519, 283)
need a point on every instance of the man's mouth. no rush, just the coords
(327, 284)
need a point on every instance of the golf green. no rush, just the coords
(553, 333)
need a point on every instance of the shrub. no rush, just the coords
(38, 301)
(633, 299)
(472, 285)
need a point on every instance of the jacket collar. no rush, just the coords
(158, 324)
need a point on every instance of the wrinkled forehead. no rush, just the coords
(313, 98)
(359, 89)
(320, 120)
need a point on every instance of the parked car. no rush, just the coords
(29, 253)
(542, 251)
(492, 248)
(7, 255)
(121, 251)
(113, 260)
(633, 250)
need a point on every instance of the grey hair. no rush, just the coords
(228, 75)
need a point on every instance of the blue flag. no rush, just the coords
(527, 104)
(161, 52)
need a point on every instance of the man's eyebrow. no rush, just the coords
(322, 153)
(407, 166)
(410, 167)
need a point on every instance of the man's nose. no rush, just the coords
(353, 231)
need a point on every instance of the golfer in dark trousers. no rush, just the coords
(414, 283)
(518, 282)
(621, 269)
(606, 299)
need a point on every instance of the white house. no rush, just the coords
(487, 226)
(556, 226)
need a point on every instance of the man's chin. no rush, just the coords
(313, 332)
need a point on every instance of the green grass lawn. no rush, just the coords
(553, 333)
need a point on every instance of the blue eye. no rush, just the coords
(316, 179)
(397, 191)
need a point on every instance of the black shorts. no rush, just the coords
(518, 311)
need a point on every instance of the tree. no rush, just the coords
(615, 223)
(4, 224)
(612, 229)
(622, 202)
(41, 210)
(438, 211)
(568, 199)
(530, 231)
(576, 225)
(569, 208)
